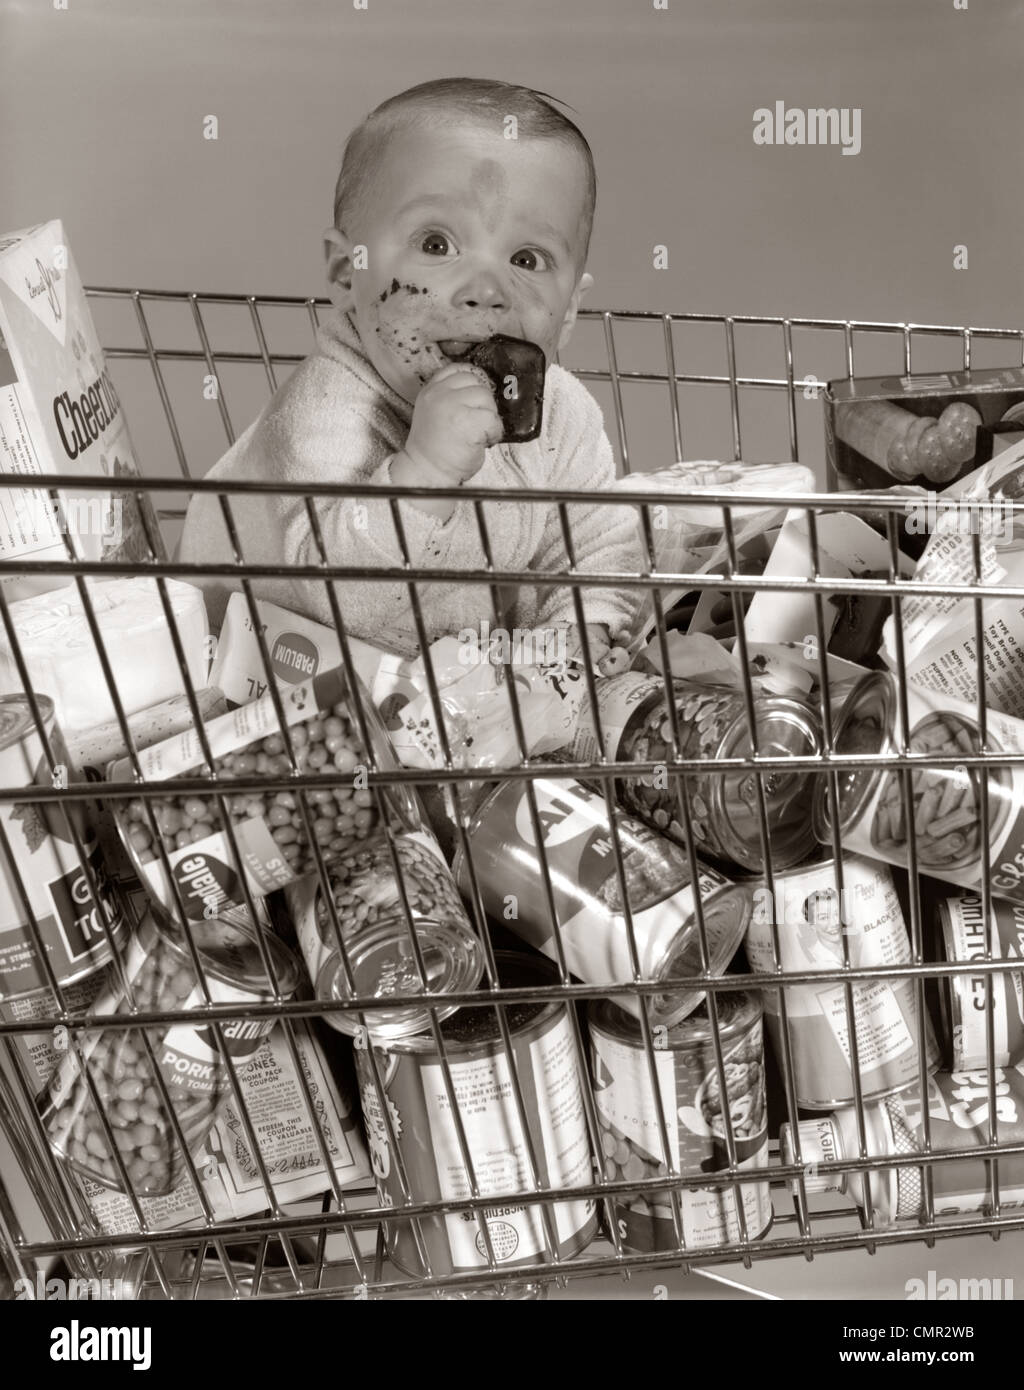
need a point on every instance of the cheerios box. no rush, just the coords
(59, 413)
(924, 429)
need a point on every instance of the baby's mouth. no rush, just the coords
(457, 348)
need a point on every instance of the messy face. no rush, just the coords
(467, 235)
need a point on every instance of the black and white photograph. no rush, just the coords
(511, 672)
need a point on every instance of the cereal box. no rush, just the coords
(59, 413)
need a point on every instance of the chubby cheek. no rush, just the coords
(400, 319)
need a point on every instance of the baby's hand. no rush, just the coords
(454, 419)
(609, 660)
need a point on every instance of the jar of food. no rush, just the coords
(274, 844)
(192, 1059)
(713, 724)
(371, 942)
(579, 854)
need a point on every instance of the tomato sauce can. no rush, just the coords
(579, 854)
(688, 1082)
(545, 1059)
(962, 998)
(811, 921)
(42, 851)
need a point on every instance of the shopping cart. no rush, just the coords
(760, 401)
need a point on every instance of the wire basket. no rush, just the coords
(190, 366)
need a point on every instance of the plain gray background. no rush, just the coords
(102, 108)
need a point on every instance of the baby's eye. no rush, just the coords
(531, 259)
(436, 244)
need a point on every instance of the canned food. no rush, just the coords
(961, 920)
(958, 1110)
(268, 825)
(39, 1053)
(377, 934)
(812, 920)
(587, 896)
(713, 724)
(158, 968)
(41, 851)
(945, 810)
(422, 1122)
(691, 1099)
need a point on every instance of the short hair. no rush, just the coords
(451, 100)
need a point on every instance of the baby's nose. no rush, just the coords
(483, 290)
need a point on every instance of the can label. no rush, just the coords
(188, 1055)
(579, 853)
(811, 922)
(618, 699)
(690, 1097)
(963, 925)
(58, 889)
(421, 1116)
(959, 1111)
(40, 1053)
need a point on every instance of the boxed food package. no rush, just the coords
(298, 647)
(59, 413)
(925, 429)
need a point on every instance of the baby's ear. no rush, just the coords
(338, 254)
(585, 283)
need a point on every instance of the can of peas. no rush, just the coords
(499, 1137)
(377, 937)
(693, 1112)
(579, 853)
(192, 1059)
(713, 724)
(274, 837)
(40, 871)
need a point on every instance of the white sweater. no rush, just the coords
(336, 420)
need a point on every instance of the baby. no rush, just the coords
(463, 210)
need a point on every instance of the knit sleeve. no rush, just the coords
(605, 538)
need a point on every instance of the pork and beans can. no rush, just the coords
(691, 1099)
(962, 997)
(377, 935)
(76, 931)
(944, 814)
(578, 850)
(193, 1062)
(421, 1124)
(724, 809)
(812, 916)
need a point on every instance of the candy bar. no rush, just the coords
(516, 370)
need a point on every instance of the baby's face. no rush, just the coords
(467, 234)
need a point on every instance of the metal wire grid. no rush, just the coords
(345, 1211)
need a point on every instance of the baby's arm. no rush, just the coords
(605, 538)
